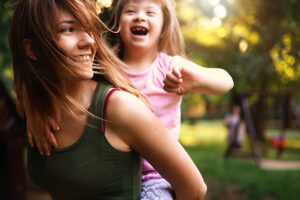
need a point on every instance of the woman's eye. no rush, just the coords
(67, 29)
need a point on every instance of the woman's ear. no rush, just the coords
(28, 49)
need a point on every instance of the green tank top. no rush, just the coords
(90, 168)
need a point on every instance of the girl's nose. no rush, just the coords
(140, 16)
(86, 40)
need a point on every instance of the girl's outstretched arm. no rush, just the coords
(186, 76)
(133, 124)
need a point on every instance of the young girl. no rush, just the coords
(149, 41)
(55, 45)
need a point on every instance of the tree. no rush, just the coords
(257, 41)
(6, 12)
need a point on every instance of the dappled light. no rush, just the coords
(216, 21)
(248, 27)
(242, 32)
(100, 4)
(243, 45)
(258, 43)
(284, 62)
(220, 11)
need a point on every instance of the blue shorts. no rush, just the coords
(157, 189)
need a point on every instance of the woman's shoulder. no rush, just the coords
(123, 106)
(125, 100)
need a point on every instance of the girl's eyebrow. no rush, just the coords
(152, 7)
(131, 4)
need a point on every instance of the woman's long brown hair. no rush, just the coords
(39, 84)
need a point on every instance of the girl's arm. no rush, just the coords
(186, 76)
(135, 125)
(42, 137)
(41, 134)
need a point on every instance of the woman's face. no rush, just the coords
(77, 44)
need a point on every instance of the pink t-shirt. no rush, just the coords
(166, 105)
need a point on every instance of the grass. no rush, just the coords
(237, 178)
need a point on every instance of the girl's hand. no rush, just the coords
(180, 79)
(186, 76)
(42, 137)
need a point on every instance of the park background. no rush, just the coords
(258, 43)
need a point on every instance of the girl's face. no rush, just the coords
(141, 24)
(77, 44)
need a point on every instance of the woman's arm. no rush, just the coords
(135, 125)
(186, 76)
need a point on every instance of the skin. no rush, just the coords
(122, 132)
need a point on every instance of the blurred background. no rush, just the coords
(245, 143)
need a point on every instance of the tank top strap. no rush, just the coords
(98, 102)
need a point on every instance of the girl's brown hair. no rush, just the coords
(39, 84)
(171, 40)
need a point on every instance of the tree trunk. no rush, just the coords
(259, 111)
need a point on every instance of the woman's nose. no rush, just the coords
(86, 40)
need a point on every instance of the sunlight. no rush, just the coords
(214, 2)
(220, 11)
(243, 45)
(186, 12)
(100, 4)
(216, 21)
(230, 1)
(242, 31)
(283, 61)
(8, 73)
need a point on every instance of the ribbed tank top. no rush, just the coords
(90, 168)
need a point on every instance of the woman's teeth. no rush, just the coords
(83, 58)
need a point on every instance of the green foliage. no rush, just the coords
(6, 12)
(267, 30)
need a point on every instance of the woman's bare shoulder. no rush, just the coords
(122, 105)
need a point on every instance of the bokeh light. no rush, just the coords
(214, 2)
(216, 21)
(220, 11)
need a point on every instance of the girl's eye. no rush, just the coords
(129, 11)
(150, 13)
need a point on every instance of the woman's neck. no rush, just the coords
(82, 92)
(139, 60)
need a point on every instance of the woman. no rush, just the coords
(55, 45)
